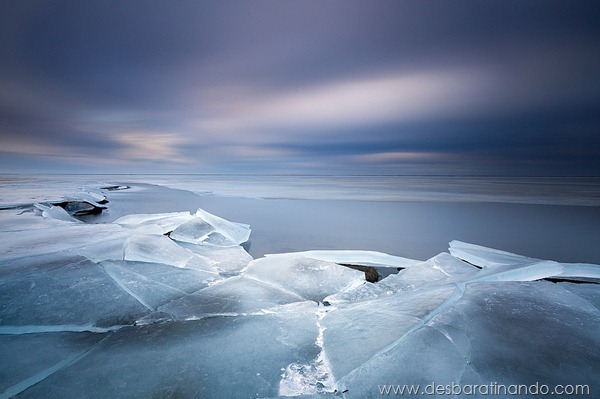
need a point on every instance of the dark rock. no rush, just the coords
(371, 274)
(115, 188)
(80, 208)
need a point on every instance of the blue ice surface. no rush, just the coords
(79, 320)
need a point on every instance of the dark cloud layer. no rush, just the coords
(301, 86)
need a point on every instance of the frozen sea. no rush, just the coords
(414, 216)
(221, 286)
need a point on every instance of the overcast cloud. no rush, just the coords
(325, 87)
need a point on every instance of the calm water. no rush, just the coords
(531, 190)
(411, 216)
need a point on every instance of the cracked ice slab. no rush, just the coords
(62, 291)
(199, 228)
(219, 357)
(439, 270)
(228, 260)
(311, 279)
(523, 272)
(26, 235)
(509, 266)
(163, 222)
(234, 296)
(526, 331)
(51, 351)
(56, 212)
(356, 332)
(237, 233)
(495, 331)
(486, 257)
(500, 331)
(161, 249)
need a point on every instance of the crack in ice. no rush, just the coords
(31, 381)
(312, 378)
(455, 297)
(33, 329)
(127, 290)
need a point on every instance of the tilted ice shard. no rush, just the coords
(200, 228)
(440, 269)
(527, 272)
(193, 231)
(160, 249)
(148, 292)
(56, 212)
(580, 270)
(485, 257)
(228, 260)
(513, 267)
(310, 278)
(166, 221)
(238, 233)
(184, 281)
(89, 194)
(27, 235)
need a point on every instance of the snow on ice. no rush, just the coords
(171, 305)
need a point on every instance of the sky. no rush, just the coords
(506, 87)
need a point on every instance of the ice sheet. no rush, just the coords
(108, 315)
(441, 269)
(51, 351)
(220, 357)
(237, 233)
(161, 249)
(504, 332)
(26, 235)
(63, 291)
(228, 260)
(356, 332)
(166, 222)
(56, 212)
(309, 278)
(234, 296)
(200, 228)
(485, 257)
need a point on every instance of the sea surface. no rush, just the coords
(412, 216)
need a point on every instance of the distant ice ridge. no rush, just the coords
(199, 228)
(170, 305)
(581, 191)
(87, 200)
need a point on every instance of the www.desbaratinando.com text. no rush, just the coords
(491, 389)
